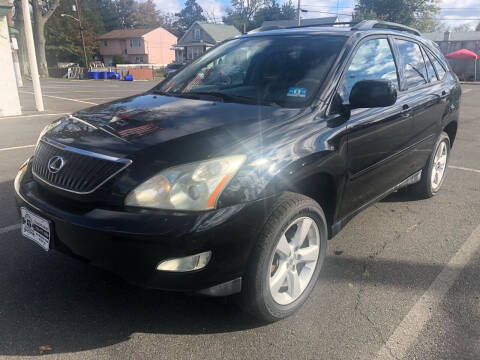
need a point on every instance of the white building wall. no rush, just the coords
(9, 101)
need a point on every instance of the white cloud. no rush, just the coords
(168, 6)
(463, 10)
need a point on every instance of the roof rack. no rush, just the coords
(376, 24)
(355, 25)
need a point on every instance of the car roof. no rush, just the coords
(339, 30)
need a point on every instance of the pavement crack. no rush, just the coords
(374, 326)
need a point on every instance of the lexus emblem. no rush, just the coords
(55, 164)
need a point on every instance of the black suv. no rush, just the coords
(230, 176)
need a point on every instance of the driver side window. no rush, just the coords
(373, 60)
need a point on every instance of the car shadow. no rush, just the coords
(50, 299)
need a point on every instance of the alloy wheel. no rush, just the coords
(439, 165)
(294, 260)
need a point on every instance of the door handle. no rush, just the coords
(405, 111)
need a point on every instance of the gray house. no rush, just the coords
(452, 41)
(200, 37)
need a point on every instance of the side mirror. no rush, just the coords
(372, 94)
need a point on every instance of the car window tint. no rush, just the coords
(412, 62)
(432, 76)
(439, 67)
(284, 71)
(373, 60)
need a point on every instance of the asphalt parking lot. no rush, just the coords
(402, 280)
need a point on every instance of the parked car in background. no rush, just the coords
(229, 177)
(172, 69)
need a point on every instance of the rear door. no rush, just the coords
(425, 95)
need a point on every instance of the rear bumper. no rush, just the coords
(132, 243)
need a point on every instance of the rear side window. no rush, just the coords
(439, 67)
(373, 60)
(412, 62)
(432, 76)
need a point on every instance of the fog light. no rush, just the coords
(188, 263)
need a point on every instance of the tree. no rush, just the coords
(144, 15)
(415, 13)
(273, 11)
(242, 12)
(462, 28)
(42, 11)
(190, 13)
(63, 39)
(108, 12)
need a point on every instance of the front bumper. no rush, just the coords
(132, 243)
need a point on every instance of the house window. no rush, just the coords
(139, 59)
(135, 43)
(196, 34)
(105, 42)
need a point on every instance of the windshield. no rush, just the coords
(274, 70)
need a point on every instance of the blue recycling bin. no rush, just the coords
(111, 75)
(103, 75)
(128, 78)
(95, 75)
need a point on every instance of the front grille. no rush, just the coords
(83, 172)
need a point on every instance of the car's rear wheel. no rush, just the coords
(287, 258)
(435, 170)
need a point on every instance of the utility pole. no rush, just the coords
(298, 13)
(77, 9)
(81, 34)
(32, 57)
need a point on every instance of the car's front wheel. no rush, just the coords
(287, 258)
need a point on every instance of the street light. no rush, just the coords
(81, 34)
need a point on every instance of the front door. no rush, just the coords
(378, 138)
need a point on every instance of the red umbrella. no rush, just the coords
(464, 54)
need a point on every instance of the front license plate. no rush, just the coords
(35, 228)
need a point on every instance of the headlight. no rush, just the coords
(194, 186)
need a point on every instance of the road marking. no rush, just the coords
(9, 228)
(17, 147)
(63, 98)
(464, 168)
(407, 332)
(28, 116)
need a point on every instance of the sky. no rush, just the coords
(456, 11)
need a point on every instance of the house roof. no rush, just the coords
(125, 33)
(304, 22)
(219, 32)
(453, 36)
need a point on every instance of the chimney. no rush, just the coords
(446, 36)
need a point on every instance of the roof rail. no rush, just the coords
(372, 24)
(277, 27)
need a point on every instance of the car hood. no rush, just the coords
(127, 126)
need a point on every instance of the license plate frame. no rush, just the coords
(36, 228)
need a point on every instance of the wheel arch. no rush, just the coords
(451, 130)
(321, 187)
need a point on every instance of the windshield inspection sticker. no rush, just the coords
(297, 92)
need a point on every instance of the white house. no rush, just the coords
(9, 101)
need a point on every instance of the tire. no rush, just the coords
(427, 187)
(290, 213)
